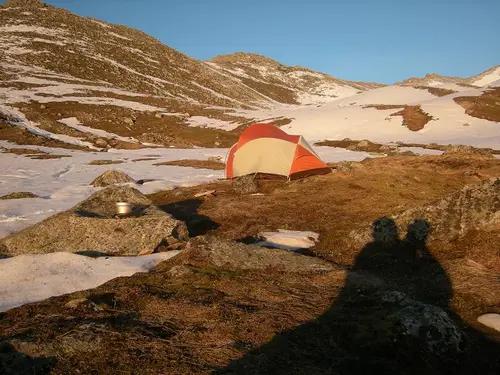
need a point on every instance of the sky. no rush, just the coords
(381, 41)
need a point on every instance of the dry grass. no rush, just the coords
(48, 156)
(19, 195)
(436, 90)
(105, 162)
(413, 117)
(21, 136)
(21, 151)
(210, 316)
(486, 106)
(201, 164)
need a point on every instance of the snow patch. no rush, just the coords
(31, 278)
(74, 123)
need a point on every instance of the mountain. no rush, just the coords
(79, 82)
(486, 78)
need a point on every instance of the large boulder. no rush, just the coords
(210, 251)
(93, 225)
(448, 218)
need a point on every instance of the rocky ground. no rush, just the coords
(399, 298)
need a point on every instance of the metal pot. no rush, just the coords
(123, 208)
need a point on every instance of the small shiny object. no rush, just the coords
(123, 208)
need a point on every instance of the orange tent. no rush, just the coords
(266, 149)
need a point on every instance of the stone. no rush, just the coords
(112, 177)
(100, 142)
(363, 143)
(93, 224)
(450, 217)
(158, 115)
(180, 270)
(245, 184)
(146, 252)
(129, 121)
(490, 320)
(227, 254)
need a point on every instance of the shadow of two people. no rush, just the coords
(392, 316)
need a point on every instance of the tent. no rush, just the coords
(264, 149)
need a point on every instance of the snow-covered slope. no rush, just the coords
(370, 115)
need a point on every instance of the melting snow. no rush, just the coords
(35, 277)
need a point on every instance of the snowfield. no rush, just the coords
(62, 183)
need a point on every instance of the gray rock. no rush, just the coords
(128, 121)
(112, 177)
(451, 217)
(490, 320)
(102, 143)
(233, 255)
(93, 225)
(430, 324)
(246, 184)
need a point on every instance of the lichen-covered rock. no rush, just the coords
(464, 150)
(246, 184)
(226, 254)
(93, 225)
(449, 218)
(430, 324)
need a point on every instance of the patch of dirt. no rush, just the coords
(413, 117)
(436, 90)
(48, 156)
(202, 164)
(383, 107)
(20, 195)
(486, 106)
(105, 162)
(21, 151)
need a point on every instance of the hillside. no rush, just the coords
(78, 82)
(483, 79)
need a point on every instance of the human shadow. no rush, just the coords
(13, 362)
(392, 316)
(187, 211)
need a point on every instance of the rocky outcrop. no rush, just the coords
(93, 225)
(202, 251)
(112, 177)
(450, 217)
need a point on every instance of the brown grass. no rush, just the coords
(21, 151)
(201, 164)
(383, 107)
(105, 162)
(201, 321)
(19, 195)
(413, 117)
(48, 156)
(486, 106)
(436, 90)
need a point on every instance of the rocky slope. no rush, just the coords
(486, 78)
(77, 82)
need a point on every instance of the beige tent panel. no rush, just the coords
(277, 159)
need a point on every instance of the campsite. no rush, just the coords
(161, 214)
